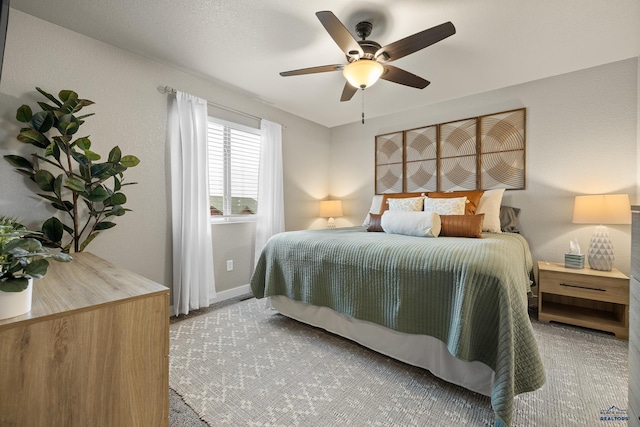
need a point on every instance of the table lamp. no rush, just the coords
(330, 209)
(601, 209)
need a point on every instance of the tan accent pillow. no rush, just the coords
(386, 197)
(374, 222)
(461, 225)
(473, 198)
(445, 205)
(490, 206)
(409, 204)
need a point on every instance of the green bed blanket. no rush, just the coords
(469, 293)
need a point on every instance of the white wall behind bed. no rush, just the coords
(582, 137)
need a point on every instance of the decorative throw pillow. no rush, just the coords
(490, 206)
(509, 219)
(461, 225)
(374, 222)
(445, 206)
(421, 224)
(388, 196)
(407, 204)
(376, 207)
(473, 198)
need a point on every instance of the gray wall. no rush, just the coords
(582, 137)
(131, 113)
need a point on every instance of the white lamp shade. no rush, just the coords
(330, 208)
(602, 209)
(363, 72)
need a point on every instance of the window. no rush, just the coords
(234, 159)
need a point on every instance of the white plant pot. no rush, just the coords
(14, 304)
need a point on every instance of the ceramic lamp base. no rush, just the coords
(601, 253)
(14, 304)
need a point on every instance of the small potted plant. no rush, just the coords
(22, 259)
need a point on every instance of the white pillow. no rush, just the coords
(411, 223)
(490, 206)
(405, 204)
(445, 206)
(376, 207)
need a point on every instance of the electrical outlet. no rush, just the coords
(229, 265)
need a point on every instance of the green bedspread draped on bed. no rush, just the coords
(469, 293)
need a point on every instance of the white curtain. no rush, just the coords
(270, 218)
(193, 281)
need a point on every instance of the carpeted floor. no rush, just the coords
(244, 365)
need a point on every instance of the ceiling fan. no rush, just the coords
(368, 61)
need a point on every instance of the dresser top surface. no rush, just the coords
(83, 283)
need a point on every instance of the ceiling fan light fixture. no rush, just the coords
(363, 73)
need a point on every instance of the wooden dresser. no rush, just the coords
(93, 351)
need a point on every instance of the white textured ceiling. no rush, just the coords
(246, 43)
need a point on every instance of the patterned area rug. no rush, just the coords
(245, 365)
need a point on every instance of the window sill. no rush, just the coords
(239, 219)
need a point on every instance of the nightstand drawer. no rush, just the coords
(583, 286)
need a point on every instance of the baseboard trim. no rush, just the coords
(231, 293)
(224, 295)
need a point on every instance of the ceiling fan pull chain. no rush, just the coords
(362, 105)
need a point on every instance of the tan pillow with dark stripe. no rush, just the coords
(461, 225)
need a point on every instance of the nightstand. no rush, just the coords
(584, 297)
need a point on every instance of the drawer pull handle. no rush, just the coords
(583, 287)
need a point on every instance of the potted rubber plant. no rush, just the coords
(85, 189)
(22, 259)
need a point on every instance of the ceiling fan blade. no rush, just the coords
(400, 76)
(348, 92)
(340, 34)
(414, 43)
(312, 70)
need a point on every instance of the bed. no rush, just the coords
(455, 306)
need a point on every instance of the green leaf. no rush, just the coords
(88, 240)
(80, 158)
(33, 137)
(37, 269)
(85, 116)
(65, 206)
(104, 225)
(49, 97)
(62, 142)
(18, 162)
(66, 95)
(17, 284)
(68, 124)
(22, 247)
(42, 121)
(129, 161)
(44, 179)
(116, 184)
(115, 155)
(53, 199)
(83, 143)
(57, 185)
(62, 257)
(102, 170)
(98, 194)
(68, 229)
(84, 171)
(91, 155)
(24, 114)
(118, 199)
(75, 184)
(53, 229)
